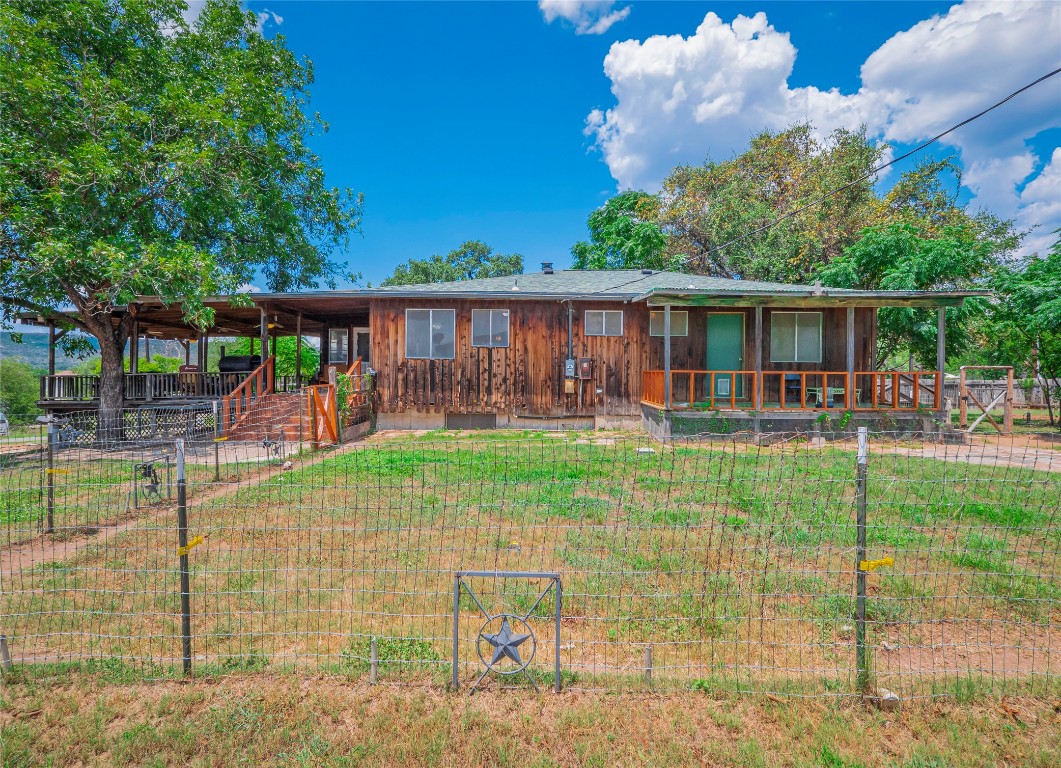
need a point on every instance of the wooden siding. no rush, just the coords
(527, 377)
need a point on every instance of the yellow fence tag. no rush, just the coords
(220, 439)
(58, 471)
(871, 565)
(182, 551)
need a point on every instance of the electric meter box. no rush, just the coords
(569, 368)
(585, 368)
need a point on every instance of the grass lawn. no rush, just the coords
(734, 562)
(266, 720)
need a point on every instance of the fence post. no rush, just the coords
(373, 662)
(182, 551)
(861, 656)
(456, 628)
(648, 667)
(50, 475)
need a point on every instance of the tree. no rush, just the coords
(141, 156)
(770, 212)
(19, 389)
(624, 234)
(1024, 328)
(896, 258)
(470, 260)
(705, 207)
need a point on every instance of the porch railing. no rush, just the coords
(794, 390)
(141, 387)
(236, 406)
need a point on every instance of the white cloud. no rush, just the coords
(682, 99)
(589, 18)
(266, 16)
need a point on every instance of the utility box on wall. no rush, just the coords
(569, 368)
(585, 368)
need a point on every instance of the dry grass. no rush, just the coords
(265, 720)
(734, 562)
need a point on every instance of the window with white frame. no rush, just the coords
(604, 322)
(796, 337)
(429, 334)
(679, 323)
(490, 327)
(338, 346)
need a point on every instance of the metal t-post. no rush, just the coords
(182, 543)
(862, 660)
(50, 477)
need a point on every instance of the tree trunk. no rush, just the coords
(111, 389)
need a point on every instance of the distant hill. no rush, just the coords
(34, 350)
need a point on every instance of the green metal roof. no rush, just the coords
(628, 285)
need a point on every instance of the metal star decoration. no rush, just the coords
(506, 644)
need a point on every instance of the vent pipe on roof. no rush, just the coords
(547, 267)
(646, 271)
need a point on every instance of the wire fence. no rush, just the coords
(715, 563)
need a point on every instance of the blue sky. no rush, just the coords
(469, 120)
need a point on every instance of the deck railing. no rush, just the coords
(141, 387)
(794, 390)
(236, 406)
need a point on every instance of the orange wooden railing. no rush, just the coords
(358, 391)
(685, 384)
(236, 405)
(653, 390)
(821, 388)
(324, 415)
(885, 389)
(798, 390)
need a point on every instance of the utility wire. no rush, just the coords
(874, 171)
(836, 191)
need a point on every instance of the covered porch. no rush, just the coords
(782, 360)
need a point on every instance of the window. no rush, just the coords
(338, 346)
(489, 327)
(429, 333)
(679, 323)
(796, 337)
(604, 322)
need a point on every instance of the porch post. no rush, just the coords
(51, 348)
(187, 344)
(298, 350)
(941, 354)
(206, 352)
(666, 359)
(147, 348)
(849, 389)
(263, 333)
(134, 349)
(758, 384)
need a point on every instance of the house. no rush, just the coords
(675, 353)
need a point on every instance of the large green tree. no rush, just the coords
(1024, 323)
(470, 260)
(143, 156)
(896, 258)
(624, 234)
(780, 211)
(705, 207)
(19, 390)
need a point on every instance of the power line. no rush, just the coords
(838, 190)
(874, 171)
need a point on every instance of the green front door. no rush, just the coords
(725, 351)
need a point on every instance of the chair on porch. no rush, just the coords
(793, 392)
